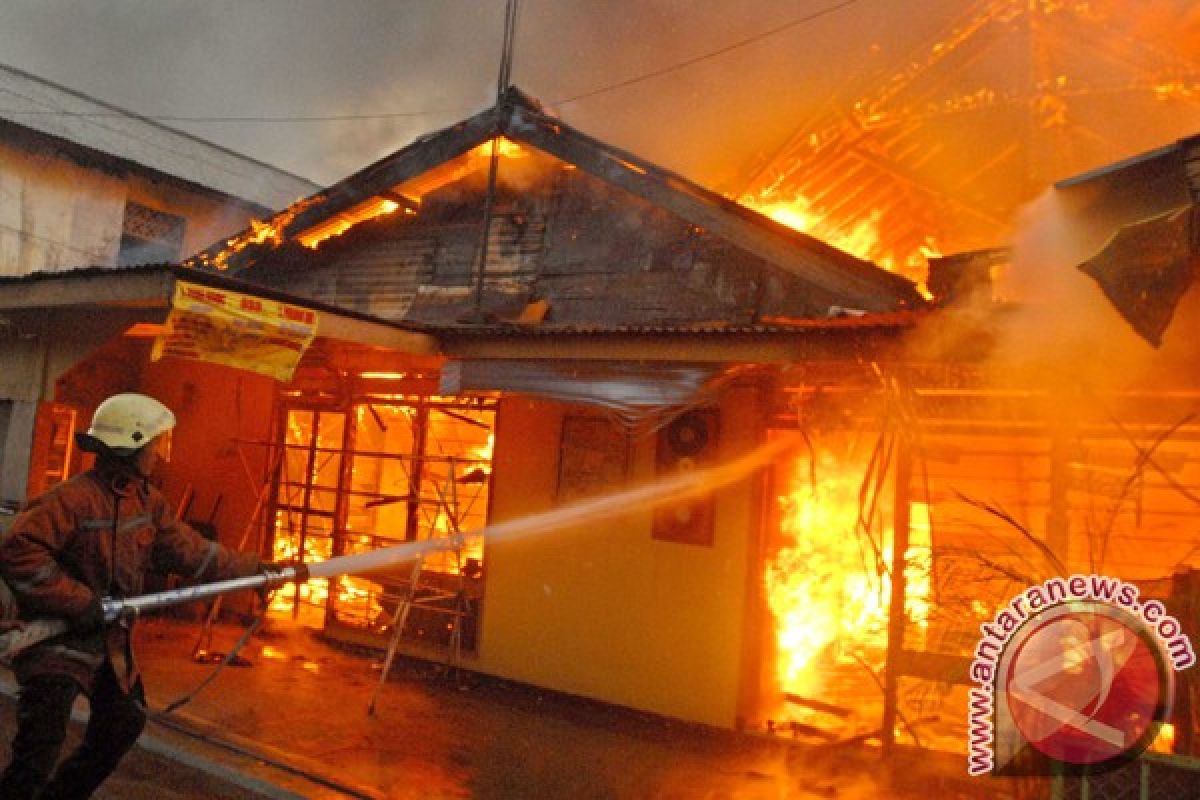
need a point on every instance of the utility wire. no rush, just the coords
(183, 118)
(509, 30)
(506, 58)
(711, 54)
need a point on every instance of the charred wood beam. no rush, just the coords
(818, 705)
(939, 667)
(897, 619)
(378, 179)
(384, 175)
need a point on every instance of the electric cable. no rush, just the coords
(709, 55)
(510, 27)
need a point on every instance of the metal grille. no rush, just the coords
(1152, 777)
(152, 226)
(1175, 781)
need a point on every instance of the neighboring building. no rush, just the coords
(628, 328)
(83, 183)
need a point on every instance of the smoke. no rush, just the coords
(1054, 330)
(1062, 325)
(437, 62)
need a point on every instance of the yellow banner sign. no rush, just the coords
(237, 330)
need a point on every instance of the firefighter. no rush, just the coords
(93, 536)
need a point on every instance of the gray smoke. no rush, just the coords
(273, 58)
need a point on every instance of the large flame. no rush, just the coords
(861, 238)
(828, 587)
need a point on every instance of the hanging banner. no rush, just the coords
(237, 330)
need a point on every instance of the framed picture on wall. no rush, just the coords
(593, 457)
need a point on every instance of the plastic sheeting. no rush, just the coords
(631, 389)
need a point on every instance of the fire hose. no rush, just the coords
(676, 487)
(33, 631)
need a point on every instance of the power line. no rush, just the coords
(433, 111)
(187, 118)
(709, 55)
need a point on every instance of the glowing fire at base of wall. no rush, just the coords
(828, 587)
(314, 594)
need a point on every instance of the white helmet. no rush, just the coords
(125, 423)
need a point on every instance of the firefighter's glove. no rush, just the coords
(90, 619)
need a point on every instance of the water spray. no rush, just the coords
(681, 486)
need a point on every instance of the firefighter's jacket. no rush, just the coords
(98, 534)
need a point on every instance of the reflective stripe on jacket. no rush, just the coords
(61, 550)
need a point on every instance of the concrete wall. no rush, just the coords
(605, 611)
(56, 214)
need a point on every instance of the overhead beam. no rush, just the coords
(374, 334)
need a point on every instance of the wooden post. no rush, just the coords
(896, 617)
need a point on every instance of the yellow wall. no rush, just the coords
(608, 612)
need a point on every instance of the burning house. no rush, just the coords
(614, 334)
(509, 320)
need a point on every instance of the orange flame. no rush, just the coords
(259, 232)
(827, 590)
(340, 223)
(1164, 742)
(505, 148)
(862, 239)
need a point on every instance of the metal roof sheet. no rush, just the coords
(769, 326)
(55, 110)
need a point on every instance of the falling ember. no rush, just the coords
(828, 588)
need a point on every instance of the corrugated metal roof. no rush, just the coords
(55, 110)
(768, 326)
(42, 275)
(858, 322)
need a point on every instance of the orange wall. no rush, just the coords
(215, 407)
(606, 611)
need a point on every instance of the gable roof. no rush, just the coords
(858, 283)
(53, 110)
